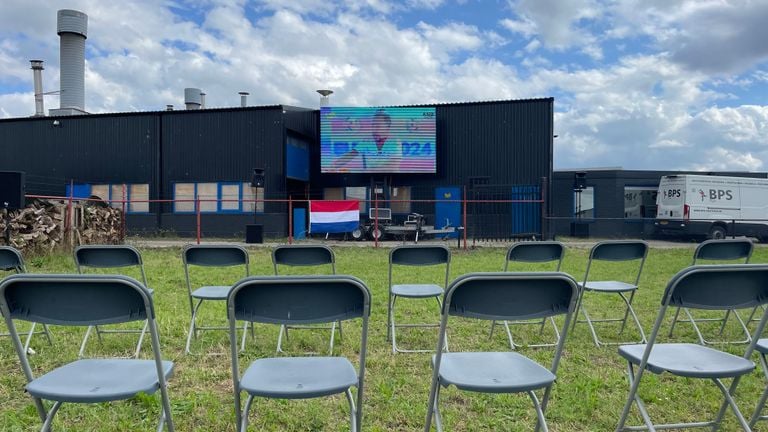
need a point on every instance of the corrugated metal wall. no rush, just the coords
(102, 149)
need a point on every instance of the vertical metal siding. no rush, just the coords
(113, 149)
(214, 146)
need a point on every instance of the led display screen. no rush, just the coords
(377, 140)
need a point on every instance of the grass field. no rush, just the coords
(588, 396)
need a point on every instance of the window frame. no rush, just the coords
(574, 215)
(638, 187)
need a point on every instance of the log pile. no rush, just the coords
(44, 225)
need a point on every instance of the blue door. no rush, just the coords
(526, 216)
(299, 223)
(448, 208)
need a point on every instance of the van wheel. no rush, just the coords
(717, 232)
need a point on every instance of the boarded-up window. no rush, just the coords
(208, 194)
(333, 193)
(359, 194)
(118, 195)
(138, 194)
(230, 196)
(400, 199)
(249, 195)
(101, 191)
(184, 191)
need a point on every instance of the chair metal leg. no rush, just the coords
(333, 333)
(393, 328)
(747, 336)
(734, 408)
(634, 397)
(85, 340)
(192, 329)
(49, 417)
(628, 312)
(141, 339)
(763, 397)
(353, 427)
(542, 422)
(438, 416)
(389, 316)
(675, 320)
(244, 425)
(245, 333)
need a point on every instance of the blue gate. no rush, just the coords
(448, 212)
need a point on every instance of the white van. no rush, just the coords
(712, 206)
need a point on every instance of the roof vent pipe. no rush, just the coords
(72, 27)
(169, 107)
(192, 98)
(37, 74)
(325, 99)
(202, 100)
(243, 98)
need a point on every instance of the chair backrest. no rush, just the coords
(420, 255)
(303, 255)
(215, 255)
(616, 251)
(76, 300)
(11, 260)
(511, 296)
(715, 287)
(299, 300)
(535, 252)
(109, 256)
(724, 250)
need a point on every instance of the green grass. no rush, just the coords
(588, 396)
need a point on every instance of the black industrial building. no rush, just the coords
(612, 202)
(498, 150)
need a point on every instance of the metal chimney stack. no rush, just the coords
(325, 99)
(37, 73)
(192, 98)
(243, 98)
(72, 27)
(202, 100)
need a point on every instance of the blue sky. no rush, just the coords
(642, 84)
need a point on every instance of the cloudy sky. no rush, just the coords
(642, 84)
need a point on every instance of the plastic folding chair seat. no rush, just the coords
(697, 287)
(111, 257)
(501, 296)
(718, 250)
(299, 300)
(12, 261)
(761, 346)
(85, 300)
(305, 256)
(211, 256)
(542, 252)
(414, 256)
(613, 251)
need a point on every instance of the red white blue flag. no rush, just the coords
(333, 216)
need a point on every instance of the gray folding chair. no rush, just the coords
(211, 256)
(541, 252)
(762, 349)
(698, 287)
(299, 300)
(83, 300)
(12, 261)
(611, 252)
(501, 296)
(718, 250)
(304, 256)
(420, 256)
(111, 257)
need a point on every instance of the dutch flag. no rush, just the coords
(333, 216)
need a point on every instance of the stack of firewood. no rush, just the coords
(45, 225)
